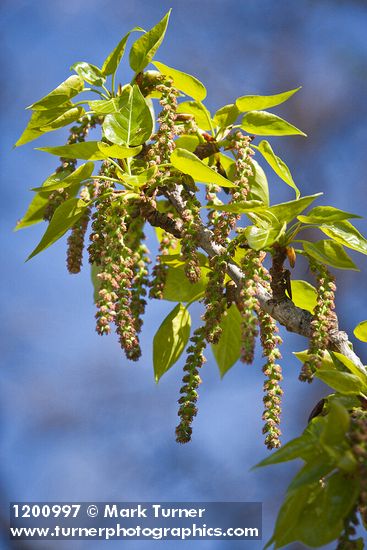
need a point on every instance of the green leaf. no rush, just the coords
(290, 514)
(262, 123)
(108, 106)
(259, 189)
(343, 382)
(184, 82)
(313, 471)
(322, 518)
(187, 142)
(198, 111)
(190, 164)
(170, 340)
(48, 121)
(133, 124)
(279, 167)
(336, 425)
(297, 448)
(83, 172)
(178, 288)
(286, 211)
(345, 233)
(303, 356)
(65, 216)
(65, 91)
(259, 102)
(330, 253)
(112, 61)
(91, 150)
(228, 350)
(304, 295)
(225, 116)
(244, 207)
(118, 151)
(138, 179)
(261, 239)
(360, 331)
(89, 73)
(145, 47)
(326, 214)
(37, 207)
(339, 358)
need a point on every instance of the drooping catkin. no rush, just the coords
(323, 320)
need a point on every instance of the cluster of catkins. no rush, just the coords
(120, 258)
(217, 299)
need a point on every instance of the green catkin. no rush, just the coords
(74, 258)
(159, 273)
(109, 250)
(214, 299)
(323, 320)
(248, 305)
(189, 244)
(191, 381)
(270, 341)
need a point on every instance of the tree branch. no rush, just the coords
(293, 318)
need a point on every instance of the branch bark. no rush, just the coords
(293, 318)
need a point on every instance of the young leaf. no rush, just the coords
(326, 214)
(228, 350)
(330, 253)
(138, 179)
(360, 331)
(144, 48)
(279, 167)
(65, 216)
(178, 288)
(65, 91)
(108, 106)
(190, 164)
(82, 173)
(304, 295)
(261, 239)
(118, 151)
(226, 115)
(199, 111)
(184, 82)
(323, 514)
(91, 150)
(47, 121)
(112, 61)
(133, 124)
(297, 448)
(260, 102)
(34, 213)
(312, 471)
(341, 360)
(262, 123)
(90, 73)
(259, 189)
(170, 340)
(87, 150)
(345, 233)
(187, 142)
(343, 382)
(336, 425)
(286, 211)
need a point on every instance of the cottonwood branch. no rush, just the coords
(293, 318)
